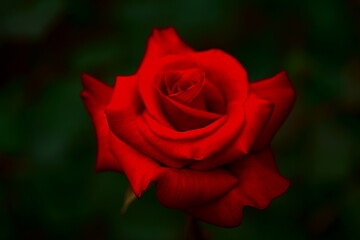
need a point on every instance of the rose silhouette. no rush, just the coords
(192, 123)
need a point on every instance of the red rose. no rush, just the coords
(193, 124)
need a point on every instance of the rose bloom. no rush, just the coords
(192, 123)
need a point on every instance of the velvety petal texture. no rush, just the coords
(190, 123)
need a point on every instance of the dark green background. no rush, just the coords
(49, 189)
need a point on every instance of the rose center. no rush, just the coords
(183, 80)
(184, 86)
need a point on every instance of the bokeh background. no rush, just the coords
(49, 189)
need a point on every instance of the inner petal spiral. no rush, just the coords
(183, 98)
(185, 87)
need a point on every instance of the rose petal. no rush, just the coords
(279, 91)
(259, 178)
(162, 42)
(205, 146)
(184, 188)
(124, 111)
(257, 114)
(139, 169)
(100, 91)
(214, 100)
(183, 117)
(224, 212)
(259, 183)
(96, 95)
(227, 74)
(169, 133)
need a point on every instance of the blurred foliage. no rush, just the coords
(49, 189)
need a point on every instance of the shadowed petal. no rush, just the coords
(257, 113)
(139, 169)
(279, 91)
(258, 183)
(96, 95)
(184, 188)
(225, 72)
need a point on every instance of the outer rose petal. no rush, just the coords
(224, 212)
(138, 168)
(184, 188)
(279, 91)
(259, 183)
(162, 42)
(96, 95)
(175, 188)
